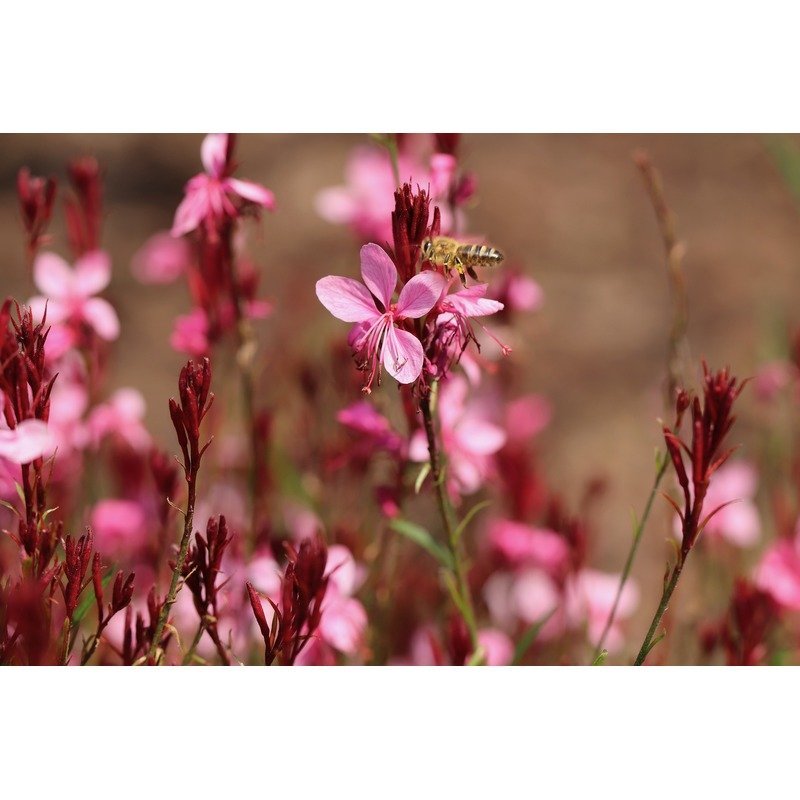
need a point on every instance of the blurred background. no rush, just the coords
(570, 209)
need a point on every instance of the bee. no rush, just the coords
(460, 257)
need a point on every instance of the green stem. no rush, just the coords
(626, 570)
(174, 586)
(447, 515)
(647, 644)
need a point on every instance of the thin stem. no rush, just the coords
(174, 585)
(448, 522)
(626, 570)
(647, 644)
(190, 652)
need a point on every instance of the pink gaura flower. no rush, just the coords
(122, 416)
(211, 195)
(497, 647)
(161, 259)
(379, 337)
(468, 438)
(779, 572)
(30, 440)
(771, 378)
(190, 334)
(527, 417)
(119, 526)
(524, 544)
(69, 293)
(589, 599)
(732, 490)
(373, 428)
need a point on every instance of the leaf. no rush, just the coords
(418, 535)
(423, 473)
(529, 637)
(601, 658)
(89, 599)
(655, 642)
(478, 658)
(452, 588)
(459, 531)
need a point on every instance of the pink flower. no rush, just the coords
(527, 416)
(373, 428)
(523, 544)
(590, 598)
(121, 416)
(779, 572)
(771, 378)
(68, 404)
(69, 293)
(520, 293)
(379, 337)
(497, 646)
(737, 522)
(30, 440)
(161, 259)
(469, 439)
(119, 526)
(190, 334)
(209, 196)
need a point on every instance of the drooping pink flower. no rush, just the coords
(213, 195)
(161, 259)
(497, 647)
(69, 293)
(190, 334)
(122, 416)
(468, 438)
(373, 428)
(779, 572)
(379, 338)
(732, 491)
(120, 526)
(589, 599)
(522, 544)
(29, 440)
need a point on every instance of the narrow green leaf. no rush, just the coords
(450, 583)
(423, 473)
(529, 637)
(601, 658)
(655, 642)
(468, 517)
(88, 598)
(418, 535)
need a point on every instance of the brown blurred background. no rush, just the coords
(570, 208)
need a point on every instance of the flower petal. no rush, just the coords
(213, 153)
(402, 355)
(101, 316)
(420, 294)
(346, 299)
(378, 273)
(28, 441)
(52, 275)
(472, 302)
(92, 273)
(254, 192)
(192, 210)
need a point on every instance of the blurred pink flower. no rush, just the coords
(770, 378)
(122, 416)
(31, 439)
(69, 293)
(524, 544)
(779, 572)
(161, 259)
(209, 195)
(68, 403)
(589, 599)
(380, 338)
(190, 334)
(119, 526)
(374, 429)
(497, 646)
(527, 417)
(738, 522)
(344, 620)
(468, 438)
(520, 292)
(366, 201)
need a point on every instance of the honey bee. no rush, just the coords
(463, 258)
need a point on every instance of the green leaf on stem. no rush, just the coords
(459, 531)
(450, 582)
(529, 637)
(420, 536)
(89, 599)
(601, 658)
(655, 642)
(423, 473)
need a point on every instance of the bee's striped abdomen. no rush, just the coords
(479, 255)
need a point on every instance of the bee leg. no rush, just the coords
(472, 273)
(460, 269)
